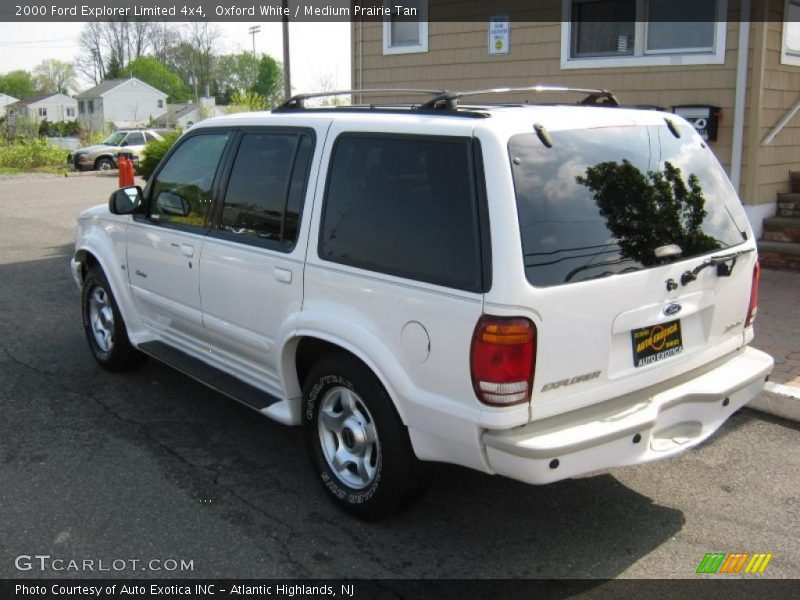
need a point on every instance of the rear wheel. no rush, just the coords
(358, 445)
(102, 322)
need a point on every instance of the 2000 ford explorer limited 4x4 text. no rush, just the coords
(536, 291)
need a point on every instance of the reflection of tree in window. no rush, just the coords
(189, 173)
(645, 211)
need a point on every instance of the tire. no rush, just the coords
(104, 164)
(358, 445)
(102, 322)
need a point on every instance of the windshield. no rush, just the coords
(616, 199)
(115, 139)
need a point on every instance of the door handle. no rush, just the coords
(187, 250)
(283, 275)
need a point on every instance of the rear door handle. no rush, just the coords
(283, 275)
(187, 250)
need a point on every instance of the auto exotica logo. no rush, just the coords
(735, 562)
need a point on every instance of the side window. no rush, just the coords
(149, 137)
(265, 191)
(135, 139)
(181, 192)
(403, 206)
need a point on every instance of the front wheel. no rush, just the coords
(104, 327)
(104, 164)
(358, 445)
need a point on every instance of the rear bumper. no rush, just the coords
(655, 423)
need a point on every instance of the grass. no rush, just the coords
(48, 169)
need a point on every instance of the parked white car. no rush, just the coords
(535, 291)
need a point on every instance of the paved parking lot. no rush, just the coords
(151, 465)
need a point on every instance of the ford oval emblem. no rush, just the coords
(672, 309)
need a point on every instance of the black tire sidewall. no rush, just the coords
(384, 494)
(94, 279)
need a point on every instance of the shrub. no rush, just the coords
(153, 153)
(58, 128)
(30, 154)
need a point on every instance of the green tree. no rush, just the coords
(160, 76)
(19, 84)
(270, 77)
(53, 75)
(113, 69)
(234, 73)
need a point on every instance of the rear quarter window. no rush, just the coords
(404, 206)
(600, 201)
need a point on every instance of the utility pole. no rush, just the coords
(253, 31)
(287, 71)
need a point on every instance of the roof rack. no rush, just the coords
(449, 100)
(299, 100)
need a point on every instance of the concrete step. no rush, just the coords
(789, 205)
(779, 255)
(781, 229)
(794, 179)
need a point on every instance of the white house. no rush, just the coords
(48, 107)
(183, 116)
(120, 103)
(5, 100)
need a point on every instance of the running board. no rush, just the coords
(211, 376)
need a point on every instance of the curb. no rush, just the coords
(112, 172)
(778, 400)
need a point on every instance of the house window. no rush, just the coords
(790, 52)
(160, 104)
(43, 113)
(81, 107)
(91, 106)
(405, 34)
(619, 33)
(70, 112)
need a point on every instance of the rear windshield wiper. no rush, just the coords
(720, 261)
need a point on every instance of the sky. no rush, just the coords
(316, 49)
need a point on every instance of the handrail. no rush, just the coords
(781, 124)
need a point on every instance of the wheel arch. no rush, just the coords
(306, 346)
(92, 251)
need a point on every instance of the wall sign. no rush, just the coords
(499, 34)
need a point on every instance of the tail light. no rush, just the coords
(501, 360)
(752, 309)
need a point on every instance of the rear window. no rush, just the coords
(404, 206)
(601, 201)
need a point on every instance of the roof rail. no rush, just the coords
(449, 100)
(299, 100)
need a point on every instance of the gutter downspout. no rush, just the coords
(739, 96)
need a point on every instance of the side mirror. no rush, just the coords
(125, 201)
(168, 203)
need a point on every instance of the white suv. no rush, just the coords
(536, 291)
